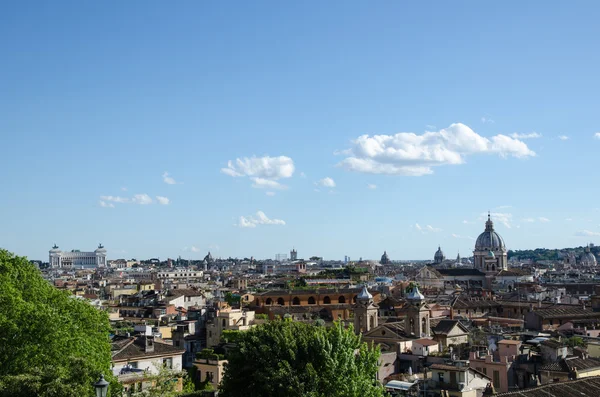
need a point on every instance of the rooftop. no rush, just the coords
(574, 388)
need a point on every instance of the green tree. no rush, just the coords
(51, 344)
(165, 383)
(285, 358)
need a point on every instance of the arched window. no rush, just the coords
(280, 301)
(372, 322)
(256, 302)
(354, 299)
(269, 301)
(311, 300)
(424, 325)
(412, 326)
(296, 301)
(327, 300)
(342, 299)
(224, 322)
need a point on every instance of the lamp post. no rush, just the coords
(101, 387)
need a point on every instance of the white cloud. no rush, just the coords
(462, 237)
(168, 179)
(194, 249)
(487, 120)
(106, 205)
(263, 171)
(597, 135)
(410, 154)
(262, 183)
(260, 219)
(499, 217)
(430, 127)
(163, 200)
(115, 199)
(142, 199)
(587, 233)
(262, 167)
(543, 219)
(563, 137)
(271, 194)
(427, 228)
(326, 182)
(528, 220)
(371, 186)
(531, 135)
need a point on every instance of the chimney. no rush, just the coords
(149, 344)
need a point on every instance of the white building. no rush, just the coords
(77, 259)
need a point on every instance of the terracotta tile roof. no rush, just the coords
(133, 348)
(426, 342)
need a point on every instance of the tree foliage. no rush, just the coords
(285, 358)
(51, 344)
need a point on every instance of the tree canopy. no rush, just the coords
(285, 358)
(51, 343)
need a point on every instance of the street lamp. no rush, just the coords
(101, 387)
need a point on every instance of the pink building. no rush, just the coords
(497, 366)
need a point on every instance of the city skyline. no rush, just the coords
(163, 131)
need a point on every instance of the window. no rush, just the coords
(168, 363)
(280, 301)
(296, 301)
(441, 377)
(497, 379)
(209, 376)
(327, 300)
(311, 300)
(341, 299)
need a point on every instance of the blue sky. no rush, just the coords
(99, 100)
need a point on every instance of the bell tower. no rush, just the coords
(365, 312)
(417, 319)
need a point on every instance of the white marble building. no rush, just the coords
(77, 259)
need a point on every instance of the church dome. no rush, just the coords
(364, 294)
(588, 258)
(415, 295)
(489, 239)
(439, 255)
(100, 249)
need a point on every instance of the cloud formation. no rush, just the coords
(371, 186)
(163, 200)
(263, 171)
(563, 137)
(587, 233)
(260, 219)
(531, 135)
(326, 182)
(142, 199)
(168, 179)
(462, 237)
(106, 205)
(597, 135)
(427, 228)
(410, 154)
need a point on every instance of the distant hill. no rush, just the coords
(545, 254)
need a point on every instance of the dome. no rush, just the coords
(415, 295)
(491, 254)
(489, 239)
(588, 258)
(100, 248)
(364, 294)
(54, 248)
(439, 255)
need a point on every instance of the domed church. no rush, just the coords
(439, 256)
(490, 255)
